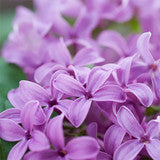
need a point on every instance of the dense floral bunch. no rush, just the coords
(86, 95)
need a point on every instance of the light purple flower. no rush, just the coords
(142, 92)
(80, 148)
(50, 98)
(152, 66)
(62, 60)
(94, 91)
(142, 138)
(27, 137)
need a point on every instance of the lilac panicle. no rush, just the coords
(88, 87)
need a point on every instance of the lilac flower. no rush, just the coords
(27, 137)
(26, 42)
(116, 45)
(63, 61)
(94, 91)
(111, 10)
(147, 138)
(113, 137)
(29, 91)
(81, 148)
(151, 65)
(140, 90)
(68, 8)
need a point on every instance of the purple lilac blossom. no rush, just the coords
(88, 88)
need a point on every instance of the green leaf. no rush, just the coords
(152, 110)
(5, 147)
(10, 75)
(6, 18)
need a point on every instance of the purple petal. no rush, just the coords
(55, 132)
(92, 130)
(68, 85)
(153, 148)
(142, 92)
(152, 129)
(18, 150)
(78, 111)
(143, 47)
(82, 148)
(13, 114)
(28, 114)
(81, 73)
(85, 23)
(44, 73)
(127, 120)
(155, 82)
(128, 150)
(86, 56)
(10, 130)
(110, 93)
(97, 78)
(113, 40)
(124, 72)
(38, 141)
(42, 155)
(113, 138)
(63, 106)
(103, 156)
(28, 91)
(61, 54)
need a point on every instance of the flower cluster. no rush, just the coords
(86, 95)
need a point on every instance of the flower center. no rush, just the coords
(153, 67)
(62, 153)
(52, 103)
(28, 135)
(144, 139)
(88, 95)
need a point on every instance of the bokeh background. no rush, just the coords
(7, 12)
